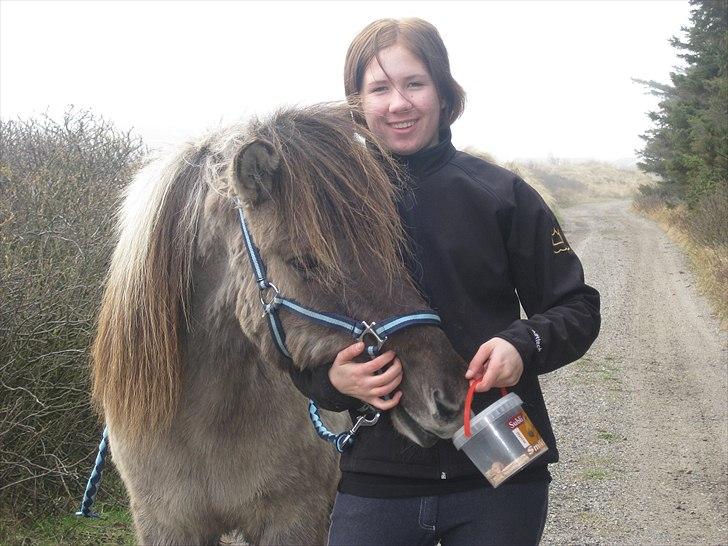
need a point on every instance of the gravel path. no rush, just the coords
(642, 420)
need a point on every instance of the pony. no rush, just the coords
(206, 428)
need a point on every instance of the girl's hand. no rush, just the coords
(497, 363)
(358, 379)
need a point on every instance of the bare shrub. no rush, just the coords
(59, 185)
(650, 198)
(708, 219)
(701, 228)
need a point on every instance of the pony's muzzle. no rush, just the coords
(447, 411)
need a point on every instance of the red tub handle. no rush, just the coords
(469, 404)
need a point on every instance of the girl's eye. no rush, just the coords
(379, 89)
(415, 84)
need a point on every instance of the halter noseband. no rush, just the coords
(271, 300)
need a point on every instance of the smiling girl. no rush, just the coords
(482, 245)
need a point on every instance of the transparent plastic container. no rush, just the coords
(503, 440)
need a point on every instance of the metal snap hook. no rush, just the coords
(365, 421)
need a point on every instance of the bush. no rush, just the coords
(650, 198)
(59, 185)
(701, 228)
(708, 219)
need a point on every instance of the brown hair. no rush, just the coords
(423, 40)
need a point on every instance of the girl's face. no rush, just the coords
(404, 108)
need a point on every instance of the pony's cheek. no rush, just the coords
(317, 348)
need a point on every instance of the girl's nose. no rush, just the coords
(399, 102)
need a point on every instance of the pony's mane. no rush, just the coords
(332, 184)
(136, 352)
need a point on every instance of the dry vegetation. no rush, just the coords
(576, 182)
(702, 230)
(562, 182)
(59, 183)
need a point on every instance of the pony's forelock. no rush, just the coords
(323, 153)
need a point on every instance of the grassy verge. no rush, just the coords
(113, 527)
(703, 233)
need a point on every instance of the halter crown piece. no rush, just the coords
(271, 301)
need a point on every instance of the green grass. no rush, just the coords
(602, 373)
(596, 473)
(608, 436)
(113, 527)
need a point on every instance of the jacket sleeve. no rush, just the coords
(315, 384)
(563, 312)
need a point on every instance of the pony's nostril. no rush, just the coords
(445, 409)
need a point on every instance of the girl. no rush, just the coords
(483, 242)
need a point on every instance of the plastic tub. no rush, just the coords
(503, 440)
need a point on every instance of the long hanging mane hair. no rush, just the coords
(331, 182)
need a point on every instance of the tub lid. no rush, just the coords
(503, 405)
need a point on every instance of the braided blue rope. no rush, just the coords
(344, 439)
(92, 486)
(340, 441)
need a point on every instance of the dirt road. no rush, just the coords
(642, 420)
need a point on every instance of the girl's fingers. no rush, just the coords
(387, 376)
(478, 361)
(385, 405)
(386, 389)
(378, 363)
(349, 353)
(491, 375)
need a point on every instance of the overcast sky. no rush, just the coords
(543, 78)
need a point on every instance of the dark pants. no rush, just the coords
(512, 514)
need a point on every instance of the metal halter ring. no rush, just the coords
(369, 330)
(265, 289)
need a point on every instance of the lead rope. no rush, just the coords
(344, 439)
(94, 480)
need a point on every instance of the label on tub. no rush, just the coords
(524, 430)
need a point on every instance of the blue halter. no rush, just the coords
(271, 301)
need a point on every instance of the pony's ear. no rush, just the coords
(253, 171)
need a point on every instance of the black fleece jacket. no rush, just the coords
(483, 240)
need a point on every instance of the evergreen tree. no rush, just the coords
(688, 146)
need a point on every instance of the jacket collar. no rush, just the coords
(429, 160)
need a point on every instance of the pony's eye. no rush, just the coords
(304, 264)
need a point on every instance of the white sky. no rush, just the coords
(543, 78)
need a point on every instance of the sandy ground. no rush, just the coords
(642, 419)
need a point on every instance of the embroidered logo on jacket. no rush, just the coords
(558, 242)
(536, 339)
